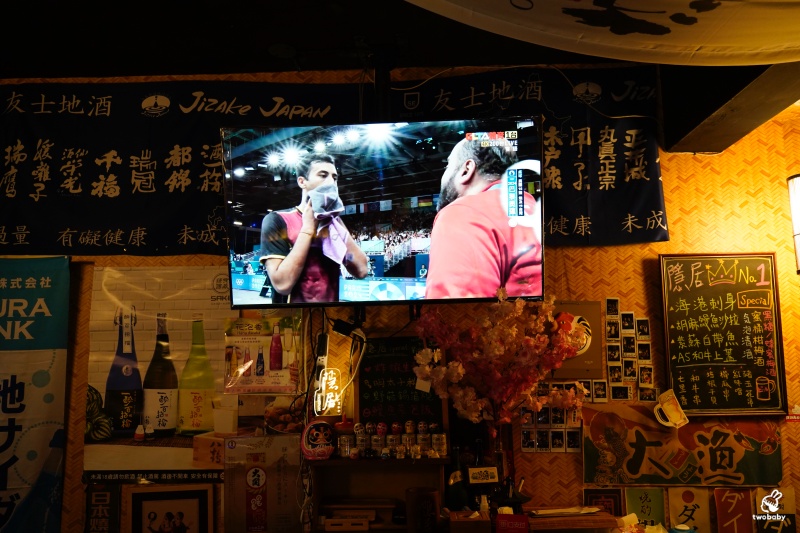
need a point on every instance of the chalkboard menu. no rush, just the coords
(723, 333)
(387, 385)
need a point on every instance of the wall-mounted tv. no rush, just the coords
(345, 214)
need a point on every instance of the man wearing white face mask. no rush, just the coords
(304, 247)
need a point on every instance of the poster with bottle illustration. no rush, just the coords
(263, 355)
(34, 319)
(156, 374)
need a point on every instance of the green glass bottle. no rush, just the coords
(196, 387)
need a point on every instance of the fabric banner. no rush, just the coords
(647, 504)
(734, 509)
(134, 168)
(602, 178)
(691, 506)
(137, 168)
(624, 445)
(660, 31)
(34, 318)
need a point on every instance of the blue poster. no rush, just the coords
(34, 318)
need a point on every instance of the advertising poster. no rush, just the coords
(625, 445)
(156, 374)
(34, 319)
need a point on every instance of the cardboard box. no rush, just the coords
(465, 522)
(208, 449)
(263, 484)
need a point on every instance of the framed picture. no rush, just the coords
(542, 440)
(612, 307)
(615, 373)
(643, 352)
(612, 330)
(613, 353)
(629, 370)
(648, 395)
(646, 376)
(573, 440)
(621, 392)
(599, 390)
(587, 385)
(609, 500)
(627, 322)
(643, 329)
(557, 443)
(628, 347)
(176, 508)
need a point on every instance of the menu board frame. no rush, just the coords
(729, 286)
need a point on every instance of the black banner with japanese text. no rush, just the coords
(133, 168)
(601, 173)
(136, 168)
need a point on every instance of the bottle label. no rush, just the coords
(159, 409)
(124, 407)
(195, 411)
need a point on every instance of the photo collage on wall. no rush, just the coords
(552, 429)
(629, 360)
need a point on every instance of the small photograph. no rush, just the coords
(573, 440)
(627, 322)
(557, 443)
(648, 395)
(587, 385)
(629, 370)
(557, 417)
(612, 307)
(643, 329)
(646, 376)
(613, 353)
(612, 330)
(599, 391)
(528, 443)
(643, 352)
(543, 417)
(542, 440)
(615, 373)
(527, 417)
(620, 392)
(628, 347)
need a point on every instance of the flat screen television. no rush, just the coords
(383, 192)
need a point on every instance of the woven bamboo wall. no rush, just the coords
(730, 202)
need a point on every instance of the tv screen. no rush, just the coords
(384, 213)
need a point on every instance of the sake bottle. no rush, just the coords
(196, 386)
(247, 362)
(260, 361)
(123, 401)
(161, 385)
(288, 346)
(276, 349)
